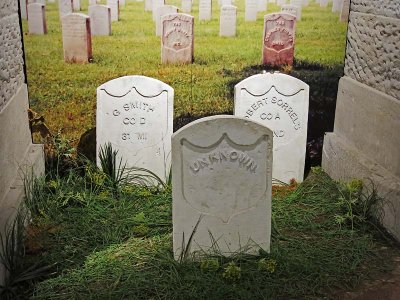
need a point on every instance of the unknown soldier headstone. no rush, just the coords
(100, 19)
(337, 5)
(177, 38)
(280, 102)
(250, 13)
(293, 10)
(161, 11)
(135, 115)
(65, 7)
(186, 6)
(76, 5)
(221, 186)
(261, 5)
(37, 19)
(345, 11)
(148, 5)
(155, 5)
(114, 6)
(278, 39)
(76, 36)
(205, 10)
(227, 26)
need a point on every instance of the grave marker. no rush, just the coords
(76, 36)
(155, 5)
(227, 26)
(337, 5)
(251, 8)
(222, 182)
(280, 2)
(114, 6)
(345, 10)
(186, 6)
(65, 7)
(76, 5)
(24, 9)
(100, 19)
(205, 10)
(261, 5)
(177, 38)
(293, 10)
(135, 115)
(162, 11)
(280, 102)
(225, 2)
(148, 5)
(37, 19)
(278, 39)
(298, 3)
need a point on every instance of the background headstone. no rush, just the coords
(177, 38)
(299, 3)
(161, 11)
(337, 5)
(278, 39)
(251, 8)
(65, 7)
(225, 2)
(100, 19)
(222, 182)
(76, 36)
(92, 2)
(292, 9)
(122, 3)
(24, 9)
(148, 5)
(37, 19)
(280, 2)
(228, 16)
(280, 102)
(345, 10)
(135, 115)
(76, 5)
(261, 5)
(323, 3)
(155, 5)
(205, 10)
(186, 6)
(114, 6)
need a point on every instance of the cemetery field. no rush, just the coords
(66, 93)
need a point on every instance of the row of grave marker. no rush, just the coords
(222, 166)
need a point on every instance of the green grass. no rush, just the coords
(120, 247)
(66, 93)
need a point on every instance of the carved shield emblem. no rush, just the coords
(225, 179)
(177, 33)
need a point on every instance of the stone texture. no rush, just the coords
(162, 11)
(344, 12)
(114, 6)
(205, 10)
(177, 45)
(293, 10)
(222, 181)
(251, 9)
(386, 8)
(100, 20)
(278, 39)
(135, 115)
(37, 19)
(373, 52)
(65, 7)
(337, 5)
(148, 5)
(77, 40)
(186, 6)
(280, 102)
(155, 5)
(228, 16)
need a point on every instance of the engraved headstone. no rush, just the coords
(177, 38)
(135, 115)
(293, 10)
(345, 11)
(323, 3)
(221, 187)
(155, 5)
(24, 9)
(114, 6)
(148, 5)
(186, 6)
(65, 7)
(278, 39)
(100, 19)
(280, 102)
(37, 19)
(205, 10)
(337, 5)
(227, 26)
(162, 11)
(76, 36)
(261, 5)
(250, 13)
(76, 5)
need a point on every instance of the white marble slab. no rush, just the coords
(100, 19)
(37, 19)
(228, 16)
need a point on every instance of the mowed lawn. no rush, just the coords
(66, 93)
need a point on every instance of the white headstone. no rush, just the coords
(323, 3)
(299, 3)
(280, 2)
(148, 5)
(122, 3)
(293, 10)
(65, 7)
(100, 19)
(37, 19)
(162, 11)
(76, 36)
(114, 6)
(225, 2)
(135, 115)
(221, 182)
(177, 39)
(280, 102)
(186, 6)
(337, 5)
(261, 5)
(345, 11)
(227, 26)
(24, 9)
(76, 5)
(251, 9)
(155, 5)
(92, 2)
(205, 10)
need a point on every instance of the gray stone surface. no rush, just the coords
(205, 10)
(293, 10)
(76, 5)
(114, 6)
(24, 10)
(337, 5)
(222, 181)
(228, 16)
(100, 19)
(250, 11)
(65, 7)
(155, 4)
(345, 10)
(386, 8)
(186, 6)
(373, 52)
(37, 19)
